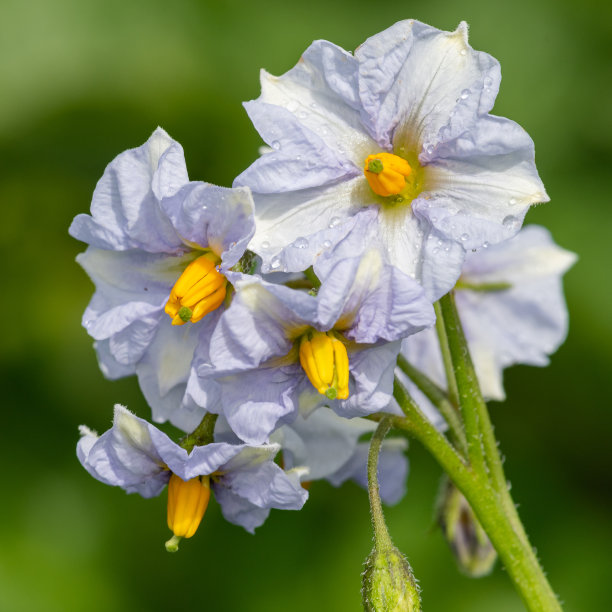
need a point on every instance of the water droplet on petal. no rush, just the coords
(429, 149)
(313, 105)
(265, 245)
(512, 201)
(300, 243)
(298, 157)
(510, 222)
(204, 207)
(334, 221)
(463, 52)
(488, 82)
(485, 245)
(275, 263)
(464, 237)
(276, 145)
(465, 93)
(327, 244)
(435, 250)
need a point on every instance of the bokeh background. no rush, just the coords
(81, 81)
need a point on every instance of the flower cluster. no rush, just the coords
(265, 320)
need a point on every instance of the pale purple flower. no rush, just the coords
(147, 223)
(139, 458)
(420, 93)
(254, 348)
(510, 301)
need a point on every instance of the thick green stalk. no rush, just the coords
(515, 553)
(202, 434)
(453, 393)
(455, 358)
(438, 398)
(482, 481)
(382, 539)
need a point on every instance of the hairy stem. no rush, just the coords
(381, 533)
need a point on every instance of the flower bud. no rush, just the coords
(388, 584)
(470, 544)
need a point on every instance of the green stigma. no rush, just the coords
(375, 166)
(185, 313)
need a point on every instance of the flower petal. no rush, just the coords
(125, 207)
(213, 217)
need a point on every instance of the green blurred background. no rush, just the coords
(82, 80)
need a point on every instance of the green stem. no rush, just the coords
(471, 396)
(517, 555)
(381, 534)
(462, 372)
(453, 393)
(482, 481)
(203, 434)
(438, 398)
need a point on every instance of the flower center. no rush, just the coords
(387, 173)
(187, 502)
(199, 290)
(325, 361)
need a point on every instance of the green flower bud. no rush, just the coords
(388, 584)
(470, 544)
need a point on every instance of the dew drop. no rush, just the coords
(334, 221)
(485, 245)
(435, 250)
(300, 243)
(429, 149)
(463, 52)
(510, 222)
(276, 145)
(464, 237)
(313, 105)
(512, 201)
(488, 82)
(265, 245)
(326, 244)
(204, 207)
(298, 157)
(465, 93)
(275, 263)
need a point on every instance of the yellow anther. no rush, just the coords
(386, 173)
(325, 361)
(199, 290)
(187, 502)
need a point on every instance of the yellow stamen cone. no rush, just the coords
(342, 368)
(187, 503)
(200, 289)
(323, 352)
(310, 367)
(325, 361)
(386, 173)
